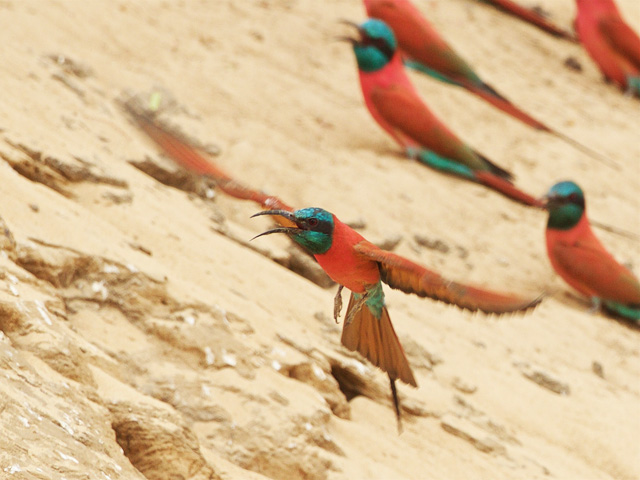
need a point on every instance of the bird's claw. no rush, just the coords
(596, 305)
(337, 303)
(356, 308)
(412, 152)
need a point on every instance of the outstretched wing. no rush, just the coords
(403, 274)
(621, 38)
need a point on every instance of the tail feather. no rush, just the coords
(508, 189)
(489, 94)
(496, 178)
(496, 169)
(628, 312)
(531, 16)
(376, 340)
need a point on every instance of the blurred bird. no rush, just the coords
(353, 262)
(187, 155)
(426, 51)
(396, 106)
(581, 260)
(610, 42)
(531, 16)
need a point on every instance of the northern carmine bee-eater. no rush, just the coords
(396, 106)
(581, 260)
(353, 262)
(424, 50)
(610, 42)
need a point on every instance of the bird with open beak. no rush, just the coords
(357, 264)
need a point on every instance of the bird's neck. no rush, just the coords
(392, 74)
(344, 265)
(566, 217)
(573, 233)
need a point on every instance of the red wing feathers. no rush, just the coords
(403, 110)
(403, 274)
(376, 340)
(622, 38)
(597, 273)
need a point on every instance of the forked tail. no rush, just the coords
(376, 340)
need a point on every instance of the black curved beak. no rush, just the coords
(282, 213)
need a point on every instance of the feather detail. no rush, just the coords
(582, 261)
(622, 38)
(403, 274)
(403, 110)
(507, 188)
(376, 340)
(612, 44)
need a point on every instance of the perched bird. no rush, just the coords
(353, 262)
(581, 260)
(426, 51)
(610, 42)
(396, 106)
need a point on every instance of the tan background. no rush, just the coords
(128, 315)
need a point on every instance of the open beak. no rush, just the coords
(289, 219)
(351, 40)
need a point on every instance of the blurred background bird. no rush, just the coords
(611, 43)
(581, 260)
(396, 106)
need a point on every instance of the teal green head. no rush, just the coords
(565, 204)
(375, 46)
(313, 228)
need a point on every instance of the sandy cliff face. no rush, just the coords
(142, 336)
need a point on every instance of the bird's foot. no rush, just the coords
(633, 87)
(412, 152)
(337, 303)
(356, 308)
(596, 306)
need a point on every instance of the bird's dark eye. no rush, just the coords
(312, 222)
